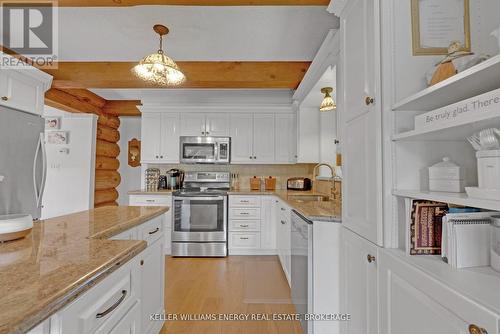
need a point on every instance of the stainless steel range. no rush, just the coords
(199, 228)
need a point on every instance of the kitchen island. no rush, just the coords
(62, 258)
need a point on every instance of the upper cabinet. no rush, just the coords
(263, 138)
(361, 120)
(160, 137)
(241, 138)
(286, 139)
(203, 124)
(24, 89)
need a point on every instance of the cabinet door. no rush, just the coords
(360, 45)
(192, 124)
(362, 177)
(412, 302)
(169, 138)
(151, 127)
(130, 323)
(217, 124)
(267, 225)
(263, 137)
(21, 92)
(241, 138)
(358, 284)
(286, 139)
(152, 283)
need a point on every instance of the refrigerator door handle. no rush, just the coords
(44, 169)
(37, 195)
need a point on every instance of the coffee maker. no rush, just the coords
(174, 179)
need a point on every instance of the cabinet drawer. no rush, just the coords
(150, 200)
(152, 230)
(244, 240)
(244, 201)
(244, 225)
(247, 213)
(108, 300)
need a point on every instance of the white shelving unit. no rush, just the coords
(474, 81)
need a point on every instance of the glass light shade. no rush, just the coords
(328, 104)
(159, 69)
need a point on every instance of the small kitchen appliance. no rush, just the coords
(205, 150)
(174, 179)
(199, 226)
(299, 183)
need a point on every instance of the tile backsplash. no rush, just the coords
(281, 172)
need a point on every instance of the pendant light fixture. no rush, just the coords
(328, 102)
(158, 68)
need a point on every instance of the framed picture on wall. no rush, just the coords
(438, 23)
(52, 123)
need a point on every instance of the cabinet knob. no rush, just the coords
(202, 132)
(283, 222)
(370, 258)
(157, 157)
(142, 262)
(369, 100)
(473, 329)
(250, 157)
(161, 156)
(5, 98)
(254, 157)
(207, 133)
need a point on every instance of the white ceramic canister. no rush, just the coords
(495, 243)
(488, 169)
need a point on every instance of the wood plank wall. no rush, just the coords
(107, 177)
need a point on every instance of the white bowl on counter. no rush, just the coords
(15, 226)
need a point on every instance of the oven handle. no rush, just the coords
(199, 198)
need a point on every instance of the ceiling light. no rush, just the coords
(328, 102)
(158, 68)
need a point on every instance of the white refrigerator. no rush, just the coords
(71, 166)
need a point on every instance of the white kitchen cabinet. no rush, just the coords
(130, 323)
(413, 302)
(192, 124)
(358, 284)
(251, 226)
(283, 239)
(217, 124)
(361, 119)
(203, 124)
(157, 200)
(241, 138)
(263, 138)
(24, 89)
(286, 138)
(160, 137)
(152, 274)
(151, 130)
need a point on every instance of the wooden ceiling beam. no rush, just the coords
(126, 3)
(122, 107)
(286, 75)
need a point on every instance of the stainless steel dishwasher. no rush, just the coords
(301, 270)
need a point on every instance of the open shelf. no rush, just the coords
(452, 198)
(479, 283)
(457, 130)
(476, 80)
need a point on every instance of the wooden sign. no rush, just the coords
(134, 153)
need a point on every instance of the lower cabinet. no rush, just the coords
(283, 230)
(124, 300)
(412, 302)
(251, 226)
(358, 284)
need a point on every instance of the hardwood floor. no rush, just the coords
(196, 286)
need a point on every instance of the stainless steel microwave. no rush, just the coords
(205, 150)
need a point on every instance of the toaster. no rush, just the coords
(299, 183)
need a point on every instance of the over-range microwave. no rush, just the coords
(205, 150)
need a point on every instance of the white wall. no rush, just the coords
(130, 127)
(70, 177)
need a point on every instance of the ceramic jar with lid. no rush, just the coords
(447, 176)
(488, 169)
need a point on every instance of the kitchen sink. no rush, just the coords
(309, 198)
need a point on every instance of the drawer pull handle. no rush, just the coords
(283, 222)
(153, 232)
(244, 201)
(112, 307)
(243, 238)
(150, 200)
(244, 213)
(473, 329)
(5, 98)
(283, 209)
(246, 225)
(370, 258)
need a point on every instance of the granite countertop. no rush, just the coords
(61, 258)
(312, 210)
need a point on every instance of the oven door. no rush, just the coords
(200, 219)
(198, 150)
